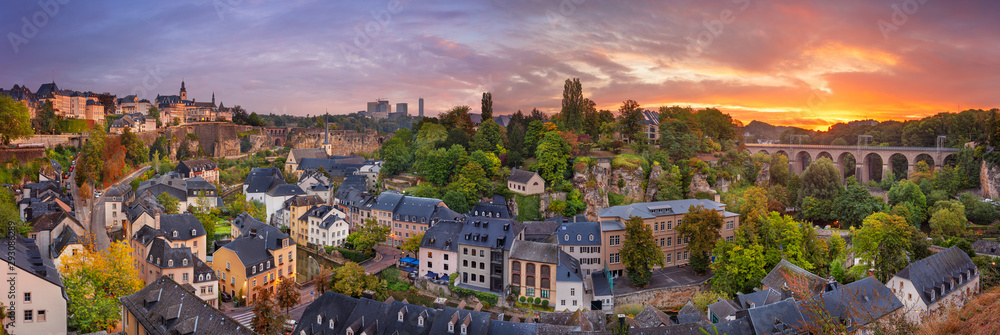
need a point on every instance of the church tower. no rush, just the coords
(326, 137)
(213, 98)
(184, 92)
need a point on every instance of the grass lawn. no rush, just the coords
(534, 307)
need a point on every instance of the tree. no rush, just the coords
(10, 214)
(412, 243)
(552, 153)
(978, 210)
(370, 234)
(738, 268)
(700, 229)
(532, 136)
(287, 294)
(266, 320)
(881, 244)
(630, 115)
(639, 252)
(820, 180)
(136, 152)
(456, 201)
(487, 106)
(351, 280)
(458, 118)
(571, 114)
(396, 155)
(323, 279)
(46, 121)
(716, 124)
(779, 169)
(438, 167)
(154, 113)
(856, 204)
(908, 191)
(169, 203)
(16, 120)
(948, 218)
(489, 136)
(753, 212)
(677, 140)
(94, 281)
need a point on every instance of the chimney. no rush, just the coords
(156, 220)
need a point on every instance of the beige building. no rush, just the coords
(296, 155)
(167, 307)
(544, 271)
(297, 207)
(662, 217)
(525, 182)
(258, 258)
(36, 299)
(943, 280)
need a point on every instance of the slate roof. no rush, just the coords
(329, 221)
(250, 250)
(782, 317)
(284, 190)
(27, 257)
(337, 167)
(246, 224)
(262, 179)
(512, 328)
(864, 301)
(649, 210)
(650, 118)
(723, 308)
(490, 210)
(933, 276)
(442, 236)
(387, 201)
(186, 225)
(539, 230)
(986, 247)
(579, 233)
(303, 200)
(49, 220)
(202, 272)
(495, 232)
(535, 252)
(741, 326)
(652, 317)
(601, 285)
(521, 176)
(327, 307)
(318, 212)
(476, 322)
(155, 189)
(778, 278)
(196, 165)
(568, 269)
(66, 238)
(416, 209)
(164, 307)
(299, 154)
(759, 298)
(164, 256)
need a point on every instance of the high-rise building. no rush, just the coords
(421, 107)
(379, 109)
(401, 109)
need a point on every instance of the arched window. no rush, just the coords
(544, 283)
(319, 319)
(332, 324)
(420, 321)
(170, 263)
(194, 232)
(545, 271)
(591, 237)
(579, 237)
(565, 237)
(530, 268)
(529, 281)
(516, 266)
(175, 233)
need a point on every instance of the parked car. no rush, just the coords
(226, 297)
(289, 325)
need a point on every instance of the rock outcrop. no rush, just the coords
(628, 183)
(989, 179)
(764, 177)
(592, 183)
(653, 185)
(699, 183)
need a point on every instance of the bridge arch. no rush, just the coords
(782, 152)
(763, 151)
(925, 158)
(950, 160)
(826, 154)
(900, 165)
(277, 142)
(872, 168)
(803, 158)
(848, 164)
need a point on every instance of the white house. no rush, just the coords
(332, 230)
(37, 299)
(944, 279)
(570, 293)
(438, 253)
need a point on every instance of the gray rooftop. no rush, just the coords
(649, 210)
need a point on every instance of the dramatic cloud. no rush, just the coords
(804, 63)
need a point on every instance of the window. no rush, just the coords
(227, 265)
(420, 321)
(170, 263)
(171, 276)
(254, 283)
(668, 258)
(430, 264)
(482, 253)
(319, 319)
(670, 241)
(562, 302)
(445, 256)
(41, 316)
(184, 262)
(579, 237)
(185, 277)
(451, 327)
(591, 237)
(465, 263)
(446, 267)
(574, 302)
(530, 291)
(571, 249)
(544, 294)
(614, 258)
(670, 225)
(464, 329)
(430, 255)
(27, 297)
(465, 251)
(482, 266)
(28, 315)
(572, 292)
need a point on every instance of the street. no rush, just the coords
(90, 211)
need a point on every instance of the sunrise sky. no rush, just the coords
(796, 62)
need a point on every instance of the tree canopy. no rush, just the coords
(16, 120)
(639, 252)
(881, 244)
(700, 229)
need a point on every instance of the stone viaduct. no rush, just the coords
(868, 158)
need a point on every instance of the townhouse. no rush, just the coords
(165, 307)
(582, 241)
(36, 299)
(662, 217)
(194, 191)
(407, 215)
(47, 228)
(205, 168)
(438, 253)
(296, 207)
(258, 257)
(114, 205)
(485, 245)
(926, 287)
(544, 271)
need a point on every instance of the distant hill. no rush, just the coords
(764, 130)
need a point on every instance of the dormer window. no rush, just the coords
(451, 327)
(579, 237)
(465, 329)
(333, 324)
(194, 232)
(420, 321)
(400, 316)
(319, 319)
(591, 237)
(184, 262)
(565, 237)
(170, 263)
(175, 233)
(201, 277)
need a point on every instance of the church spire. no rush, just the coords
(213, 98)
(326, 136)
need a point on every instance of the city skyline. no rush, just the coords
(807, 64)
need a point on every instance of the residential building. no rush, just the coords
(294, 155)
(859, 304)
(165, 307)
(297, 207)
(36, 300)
(183, 110)
(334, 313)
(135, 122)
(259, 256)
(662, 217)
(945, 279)
(582, 241)
(66, 244)
(485, 244)
(179, 264)
(133, 105)
(333, 230)
(114, 206)
(205, 168)
(195, 191)
(267, 185)
(602, 291)
(407, 215)
(543, 270)
(792, 281)
(650, 125)
(525, 182)
(438, 253)
(182, 231)
(47, 227)
(94, 111)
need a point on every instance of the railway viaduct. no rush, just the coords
(868, 158)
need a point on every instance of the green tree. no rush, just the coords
(533, 135)
(487, 108)
(948, 218)
(287, 294)
(573, 105)
(717, 124)
(154, 113)
(370, 234)
(412, 243)
(136, 152)
(351, 280)
(396, 156)
(881, 244)
(10, 214)
(169, 203)
(700, 229)
(630, 115)
(489, 137)
(820, 180)
(738, 268)
(978, 210)
(456, 201)
(94, 281)
(856, 204)
(552, 153)
(16, 120)
(458, 118)
(677, 140)
(458, 157)
(639, 252)
(46, 122)
(439, 167)
(779, 169)
(908, 191)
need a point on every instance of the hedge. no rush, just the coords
(353, 256)
(488, 298)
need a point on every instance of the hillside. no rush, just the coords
(764, 130)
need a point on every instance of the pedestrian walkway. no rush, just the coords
(385, 257)
(244, 318)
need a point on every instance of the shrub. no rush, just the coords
(545, 303)
(520, 299)
(615, 199)
(628, 161)
(353, 256)
(486, 298)
(538, 301)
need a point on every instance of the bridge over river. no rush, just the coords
(869, 159)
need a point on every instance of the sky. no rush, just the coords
(786, 62)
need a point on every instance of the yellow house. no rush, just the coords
(297, 206)
(259, 257)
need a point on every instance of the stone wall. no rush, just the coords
(989, 179)
(51, 141)
(22, 155)
(546, 199)
(628, 183)
(661, 297)
(343, 142)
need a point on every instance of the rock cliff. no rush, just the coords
(628, 183)
(989, 179)
(592, 183)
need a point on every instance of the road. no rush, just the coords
(95, 208)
